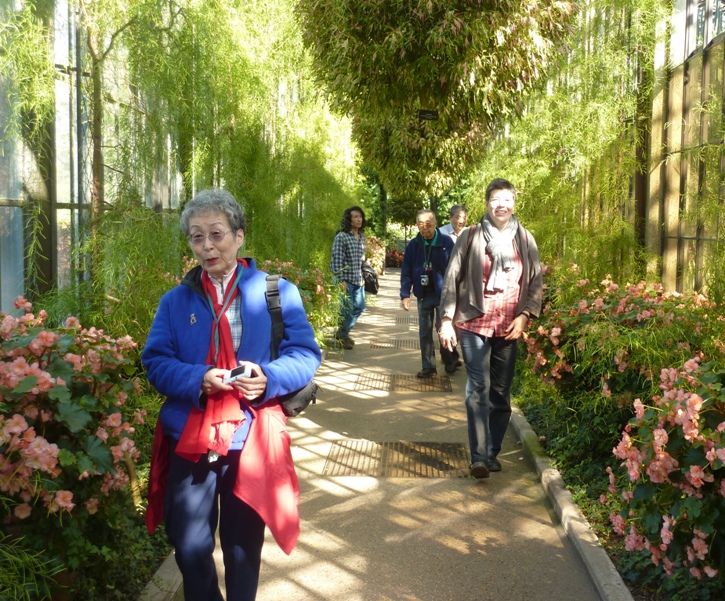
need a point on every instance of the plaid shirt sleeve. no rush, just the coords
(337, 264)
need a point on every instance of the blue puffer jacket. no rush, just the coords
(178, 344)
(413, 259)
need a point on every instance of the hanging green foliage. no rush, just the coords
(572, 154)
(467, 65)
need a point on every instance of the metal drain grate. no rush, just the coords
(403, 321)
(409, 343)
(396, 383)
(383, 320)
(397, 459)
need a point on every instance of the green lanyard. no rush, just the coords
(428, 249)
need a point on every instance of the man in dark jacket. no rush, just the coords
(424, 264)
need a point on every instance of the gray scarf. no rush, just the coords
(499, 246)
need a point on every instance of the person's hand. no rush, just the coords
(517, 327)
(253, 387)
(213, 381)
(447, 335)
(406, 304)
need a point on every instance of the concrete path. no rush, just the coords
(388, 510)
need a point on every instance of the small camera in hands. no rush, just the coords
(243, 371)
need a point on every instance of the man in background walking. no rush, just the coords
(348, 254)
(424, 263)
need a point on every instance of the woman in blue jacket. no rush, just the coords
(223, 444)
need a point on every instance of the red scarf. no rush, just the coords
(213, 429)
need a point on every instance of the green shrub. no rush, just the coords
(593, 368)
(67, 452)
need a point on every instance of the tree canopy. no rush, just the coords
(470, 61)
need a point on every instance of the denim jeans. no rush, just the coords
(429, 321)
(490, 365)
(352, 306)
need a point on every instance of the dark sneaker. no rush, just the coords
(426, 372)
(345, 343)
(451, 368)
(493, 464)
(478, 470)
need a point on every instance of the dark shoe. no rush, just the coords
(345, 343)
(351, 340)
(426, 372)
(458, 363)
(493, 464)
(478, 470)
(450, 368)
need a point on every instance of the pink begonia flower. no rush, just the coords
(658, 469)
(666, 532)
(711, 572)
(692, 365)
(114, 420)
(628, 495)
(660, 439)
(669, 565)
(603, 499)
(618, 523)
(92, 505)
(694, 405)
(638, 409)
(696, 573)
(583, 306)
(15, 425)
(22, 511)
(656, 555)
(64, 500)
(102, 433)
(634, 541)
(605, 390)
(599, 303)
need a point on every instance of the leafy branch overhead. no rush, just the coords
(472, 62)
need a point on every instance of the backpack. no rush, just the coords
(370, 278)
(293, 403)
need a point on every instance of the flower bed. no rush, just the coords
(67, 451)
(636, 371)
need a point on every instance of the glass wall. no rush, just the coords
(690, 193)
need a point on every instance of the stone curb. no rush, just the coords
(603, 574)
(165, 583)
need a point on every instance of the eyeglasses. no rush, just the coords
(216, 236)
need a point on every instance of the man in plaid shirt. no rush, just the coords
(348, 254)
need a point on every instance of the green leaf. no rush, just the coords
(66, 458)
(60, 394)
(100, 453)
(73, 416)
(26, 385)
(692, 506)
(60, 368)
(644, 492)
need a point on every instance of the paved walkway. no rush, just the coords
(388, 510)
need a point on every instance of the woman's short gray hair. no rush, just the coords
(213, 200)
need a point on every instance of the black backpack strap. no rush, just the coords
(274, 304)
